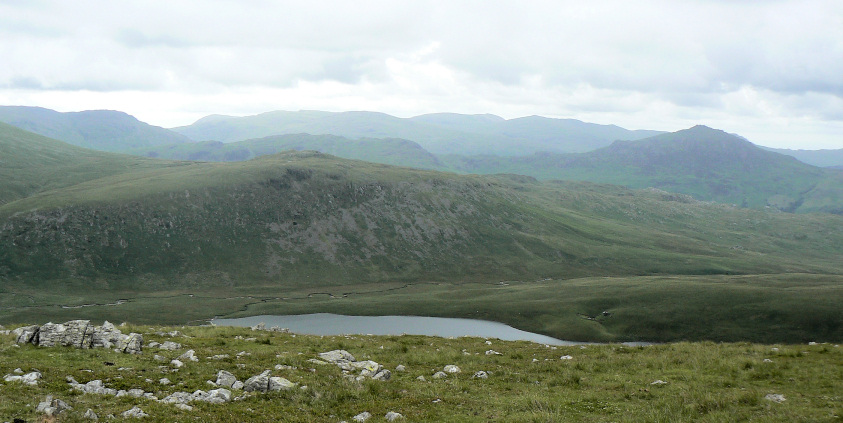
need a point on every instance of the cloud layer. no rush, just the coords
(769, 70)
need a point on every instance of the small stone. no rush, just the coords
(392, 416)
(421, 378)
(237, 385)
(18, 371)
(90, 415)
(160, 358)
(170, 345)
(492, 352)
(779, 398)
(135, 412)
(184, 407)
(767, 360)
(488, 342)
(400, 368)
(164, 381)
(658, 382)
(382, 375)
(480, 375)
(439, 375)
(362, 417)
(189, 355)
(452, 368)
(566, 357)
(176, 363)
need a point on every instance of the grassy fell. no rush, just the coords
(527, 382)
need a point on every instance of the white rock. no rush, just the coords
(164, 381)
(184, 407)
(170, 345)
(225, 378)
(775, 397)
(362, 417)
(767, 360)
(90, 415)
(135, 412)
(566, 357)
(658, 382)
(400, 368)
(189, 355)
(452, 368)
(176, 363)
(392, 416)
(492, 352)
(439, 375)
(480, 375)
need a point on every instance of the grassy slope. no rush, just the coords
(528, 382)
(705, 163)
(31, 163)
(387, 151)
(296, 221)
(103, 130)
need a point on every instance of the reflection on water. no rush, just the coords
(335, 324)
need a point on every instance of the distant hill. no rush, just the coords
(387, 151)
(438, 133)
(30, 163)
(705, 163)
(821, 158)
(103, 130)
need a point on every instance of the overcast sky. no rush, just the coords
(769, 70)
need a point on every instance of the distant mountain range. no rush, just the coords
(103, 130)
(821, 158)
(442, 133)
(707, 164)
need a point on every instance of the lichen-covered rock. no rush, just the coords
(131, 343)
(170, 345)
(189, 355)
(480, 374)
(337, 356)
(25, 334)
(90, 415)
(452, 369)
(279, 383)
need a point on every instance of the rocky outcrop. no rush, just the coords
(52, 406)
(345, 361)
(31, 378)
(80, 334)
(264, 383)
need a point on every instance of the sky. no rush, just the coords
(769, 70)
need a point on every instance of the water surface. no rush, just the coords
(336, 324)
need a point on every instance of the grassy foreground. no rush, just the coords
(527, 381)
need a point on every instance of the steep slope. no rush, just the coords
(300, 219)
(438, 133)
(820, 158)
(705, 163)
(387, 151)
(104, 130)
(30, 163)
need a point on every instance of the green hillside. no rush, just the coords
(707, 164)
(387, 151)
(269, 233)
(103, 130)
(438, 133)
(31, 163)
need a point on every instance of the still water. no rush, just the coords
(335, 324)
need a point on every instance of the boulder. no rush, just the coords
(279, 383)
(105, 336)
(225, 378)
(258, 383)
(130, 344)
(52, 406)
(24, 335)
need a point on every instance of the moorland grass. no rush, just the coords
(528, 382)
